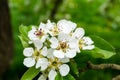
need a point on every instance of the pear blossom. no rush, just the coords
(52, 45)
(84, 42)
(38, 34)
(54, 66)
(52, 28)
(63, 69)
(33, 56)
(64, 46)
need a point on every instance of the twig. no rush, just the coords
(116, 78)
(103, 66)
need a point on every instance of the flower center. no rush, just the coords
(63, 45)
(55, 30)
(81, 43)
(39, 32)
(54, 63)
(37, 55)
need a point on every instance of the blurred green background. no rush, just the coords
(97, 17)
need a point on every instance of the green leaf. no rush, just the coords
(58, 77)
(24, 30)
(23, 41)
(30, 73)
(102, 44)
(24, 35)
(73, 67)
(99, 53)
(68, 77)
(102, 49)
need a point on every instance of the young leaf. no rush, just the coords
(102, 44)
(30, 73)
(68, 77)
(24, 30)
(102, 49)
(24, 35)
(99, 53)
(58, 77)
(23, 41)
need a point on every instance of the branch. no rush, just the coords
(55, 8)
(116, 78)
(103, 66)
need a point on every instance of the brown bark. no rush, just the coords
(6, 41)
(103, 66)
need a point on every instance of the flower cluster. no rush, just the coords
(53, 45)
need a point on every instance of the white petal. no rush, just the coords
(50, 53)
(42, 63)
(38, 44)
(28, 51)
(31, 34)
(43, 38)
(42, 77)
(44, 51)
(52, 74)
(87, 40)
(41, 26)
(72, 25)
(64, 69)
(64, 60)
(66, 26)
(29, 62)
(58, 54)
(73, 44)
(49, 25)
(90, 47)
(63, 37)
(79, 33)
(54, 42)
(70, 53)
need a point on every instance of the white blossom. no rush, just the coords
(86, 43)
(54, 66)
(38, 34)
(33, 56)
(52, 28)
(58, 64)
(63, 69)
(31, 34)
(61, 46)
(52, 45)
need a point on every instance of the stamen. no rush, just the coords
(39, 32)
